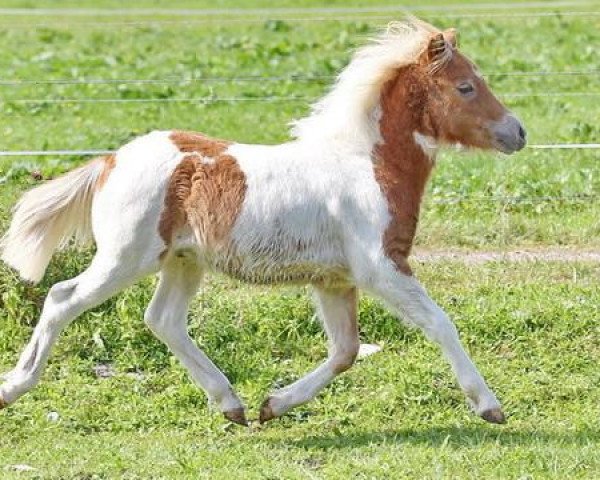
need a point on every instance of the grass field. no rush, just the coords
(534, 329)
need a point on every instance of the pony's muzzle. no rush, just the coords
(509, 134)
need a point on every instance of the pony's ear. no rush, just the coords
(437, 47)
(451, 36)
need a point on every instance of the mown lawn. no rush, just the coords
(534, 329)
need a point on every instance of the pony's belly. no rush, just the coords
(265, 271)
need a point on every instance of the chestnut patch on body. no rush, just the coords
(401, 166)
(215, 201)
(192, 142)
(206, 191)
(109, 162)
(174, 216)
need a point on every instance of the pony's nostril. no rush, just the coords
(522, 132)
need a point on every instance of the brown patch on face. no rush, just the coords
(206, 191)
(459, 118)
(109, 163)
(401, 166)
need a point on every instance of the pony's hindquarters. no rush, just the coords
(122, 210)
(114, 200)
(46, 217)
(126, 211)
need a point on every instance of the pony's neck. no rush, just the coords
(404, 121)
(401, 160)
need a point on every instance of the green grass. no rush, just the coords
(532, 328)
(533, 331)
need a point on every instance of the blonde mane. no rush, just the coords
(349, 110)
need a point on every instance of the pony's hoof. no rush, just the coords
(237, 415)
(266, 412)
(494, 415)
(3, 404)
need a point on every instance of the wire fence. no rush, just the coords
(515, 199)
(455, 200)
(364, 18)
(565, 146)
(99, 12)
(258, 98)
(97, 152)
(17, 82)
(334, 14)
(54, 153)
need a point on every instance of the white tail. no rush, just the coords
(46, 217)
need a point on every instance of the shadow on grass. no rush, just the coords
(474, 436)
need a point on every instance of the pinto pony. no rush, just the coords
(337, 208)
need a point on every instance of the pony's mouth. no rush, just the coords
(509, 135)
(509, 146)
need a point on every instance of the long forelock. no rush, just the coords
(348, 109)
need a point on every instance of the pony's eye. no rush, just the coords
(465, 88)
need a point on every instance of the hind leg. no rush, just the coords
(167, 317)
(337, 309)
(67, 300)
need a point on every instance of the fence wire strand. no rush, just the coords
(257, 78)
(364, 14)
(94, 152)
(242, 99)
(83, 12)
(364, 18)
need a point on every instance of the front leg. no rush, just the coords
(405, 295)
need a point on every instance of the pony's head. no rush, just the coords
(418, 70)
(459, 107)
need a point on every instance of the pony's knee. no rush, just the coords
(62, 291)
(153, 319)
(59, 302)
(158, 319)
(345, 357)
(70, 298)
